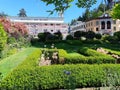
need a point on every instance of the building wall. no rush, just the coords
(96, 26)
(77, 26)
(37, 25)
(91, 25)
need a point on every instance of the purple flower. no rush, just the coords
(67, 72)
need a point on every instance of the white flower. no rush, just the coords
(44, 46)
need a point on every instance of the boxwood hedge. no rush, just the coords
(86, 56)
(61, 76)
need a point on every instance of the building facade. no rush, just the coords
(103, 25)
(37, 25)
(77, 26)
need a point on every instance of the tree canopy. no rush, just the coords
(14, 29)
(62, 5)
(115, 13)
(22, 13)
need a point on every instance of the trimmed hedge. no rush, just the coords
(74, 42)
(55, 77)
(93, 56)
(113, 51)
(86, 56)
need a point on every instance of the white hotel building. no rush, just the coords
(37, 25)
(77, 26)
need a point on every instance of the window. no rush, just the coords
(102, 25)
(51, 24)
(114, 28)
(97, 23)
(58, 24)
(97, 29)
(45, 30)
(91, 23)
(114, 21)
(108, 25)
(51, 30)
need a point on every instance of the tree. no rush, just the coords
(22, 13)
(72, 21)
(115, 13)
(14, 29)
(98, 36)
(58, 35)
(91, 14)
(90, 35)
(62, 5)
(3, 38)
(79, 34)
(69, 37)
(2, 14)
(86, 15)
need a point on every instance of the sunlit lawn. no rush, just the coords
(9, 63)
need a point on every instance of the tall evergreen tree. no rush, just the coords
(22, 13)
(2, 14)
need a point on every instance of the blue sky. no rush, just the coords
(38, 8)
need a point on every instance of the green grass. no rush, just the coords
(9, 63)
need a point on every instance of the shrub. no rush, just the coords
(98, 36)
(96, 57)
(92, 41)
(90, 35)
(54, 77)
(41, 36)
(11, 40)
(69, 37)
(75, 58)
(74, 42)
(110, 39)
(58, 35)
(3, 38)
(86, 56)
(117, 34)
(79, 34)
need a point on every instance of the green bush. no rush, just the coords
(112, 51)
(117, 35)
(89, 41)
(98, 36)
(11, 40)
(12, 51)
(93, 56)
(90, 35)
(110, 39)
(86, 56)
(74, 42)
(61, 76)
(69, 37)
(3, 38)
(75, 59)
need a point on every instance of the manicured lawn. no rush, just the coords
(9, 63)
